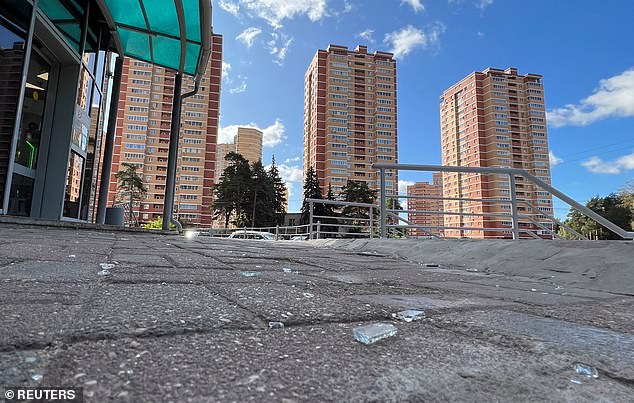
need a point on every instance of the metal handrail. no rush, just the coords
(511, 173)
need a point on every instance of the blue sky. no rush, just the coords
(584, 50)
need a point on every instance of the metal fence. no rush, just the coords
(526, 220)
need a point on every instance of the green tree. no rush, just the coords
(312, 190)
(231, 194)
(131, 186)
(612, 207)
(157, 224)
(357, 192)
(279, 191)
(260, 204)
(393, 203)
(627, 199)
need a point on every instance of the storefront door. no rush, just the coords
(33, 126)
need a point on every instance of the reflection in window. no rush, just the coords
(12, 22)
(30, 133)
(73, 186)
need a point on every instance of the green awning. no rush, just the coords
(171, 33)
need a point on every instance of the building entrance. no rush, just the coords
(31, 129)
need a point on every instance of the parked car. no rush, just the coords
(299, 238)
(244, 234)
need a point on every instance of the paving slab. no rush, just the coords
(118, 310)
(528, 297)
(52, 271)
(590, 345)
(295, 304)
(33, 326)
(321, 363)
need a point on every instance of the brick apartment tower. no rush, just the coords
(247, 142)
(143, 130)
(425, 196)
(350, 116)
(495, 118)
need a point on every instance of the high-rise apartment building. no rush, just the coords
(143, 131)
(424, 198)
(247, 142)
(350, 116)
(495, 118)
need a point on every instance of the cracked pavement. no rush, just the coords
(175, 320)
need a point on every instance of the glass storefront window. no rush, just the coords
(74, 177)
(13, 22)
(30, 132)
(21, 195)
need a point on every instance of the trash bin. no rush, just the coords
(115, 216)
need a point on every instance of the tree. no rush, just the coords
(627, 199)
(279, 192)
(312, 190)
(357, 192)
(260, 203)
(157, 224)
(232, 191)
(393, 203)
(131, 186)
(612, 207)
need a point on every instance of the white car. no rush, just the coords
(244, 234)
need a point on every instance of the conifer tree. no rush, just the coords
(279, 190)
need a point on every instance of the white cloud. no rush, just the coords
(240, 88)
(367, 35)
(598, 166)
(226, 77)
(554, 160)
(294, 159)
(290, 173)
(415, 4)
(482, 4)
(613, 98)
(226, 69)
(402, 186)
(248, 36)
(409, 38)
(271, 135)
(230, 7)
(274, 12)
(278, 47)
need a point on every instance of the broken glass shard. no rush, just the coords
(103, 272)
(409, 315)
(37, 377)
(372, 333)
(308, 295)
(276, 325)
(575, 381)
(287, 270)
(107, 266)
(586, 370)
(251, 273)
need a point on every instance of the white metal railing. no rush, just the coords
(342, 226)
(522, 224)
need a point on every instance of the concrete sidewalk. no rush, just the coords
(175, 320)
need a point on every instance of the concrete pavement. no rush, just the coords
(175, 320)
